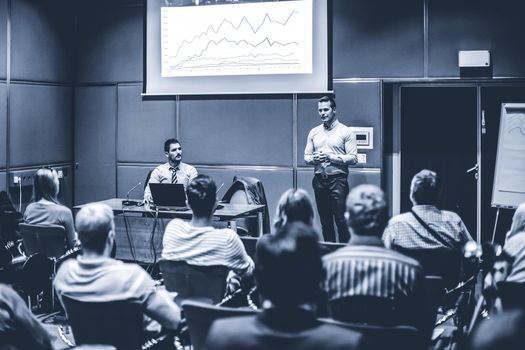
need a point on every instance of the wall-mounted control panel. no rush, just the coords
(364, 137)
(25, 177)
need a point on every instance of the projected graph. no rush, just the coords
(237, 39)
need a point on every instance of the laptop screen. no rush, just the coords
(168, 195)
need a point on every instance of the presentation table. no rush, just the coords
(139, 230)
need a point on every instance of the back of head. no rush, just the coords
(168, 143)
(518, 221)
(425, 187)
(502, 331)
(201, 193)
(45, 185)
(367, 210)
(94, 223)
(288, 265)
(294, 205)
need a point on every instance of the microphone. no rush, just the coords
(127, 201)
(219, 188)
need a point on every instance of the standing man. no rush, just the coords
(331, 147)
(174, 171)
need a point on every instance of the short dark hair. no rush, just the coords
(367, 210)
(93, 223)
(425, 188)
(330, 99)
(201, 193)
(168, 143)
(44, 185)
(288, 266)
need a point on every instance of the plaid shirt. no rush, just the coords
(406, 232)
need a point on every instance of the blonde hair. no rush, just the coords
(45, 185)
(294, 205)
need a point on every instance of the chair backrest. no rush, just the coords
(49, 240)
(36, 274)
(378, 337)
(445, 263)
(366, 309)
(117, 323)
(512, 295)
(195, 282)
(200, 316)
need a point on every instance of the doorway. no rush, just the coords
(437, 130)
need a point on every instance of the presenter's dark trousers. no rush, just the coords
(330, 196)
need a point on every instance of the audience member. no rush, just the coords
(294, 205)
(173, 171)
(95, 277)
(45, 209)
(196, 242)
(19, 329)
(289, 272)
(365, 268)
(501, 331)
(515, 246)
(411, 230)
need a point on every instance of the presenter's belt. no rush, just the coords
(324, 176)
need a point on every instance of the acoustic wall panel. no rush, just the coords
(130, 176)
(3, 39)
(42, 40)
(275, 182)
(3, 125)
(377, 38)
(143, 126)
(95, 148)
(475, 25)
(40, 125)
(3, 179)
(109, 41)
(355, 178)
(237, 132)
(358, 104)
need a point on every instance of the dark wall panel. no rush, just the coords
(275, 182)
(476, 25)
(377, 38)
(358, 104)
(3, 178)
(143, 126)
(129, 176)
(109, 41)
(95, 129)
(355, 178)
(3, 39)
(3, 125)
(244, 132)
(40, 125)
(42, 37)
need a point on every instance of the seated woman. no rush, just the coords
(294, 205)
(515, 245)
(46, 210)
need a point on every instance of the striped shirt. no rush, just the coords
(406, 232)
(163, 174)
(205, 246)
(365, 267)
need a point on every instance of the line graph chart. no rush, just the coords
(237, 39)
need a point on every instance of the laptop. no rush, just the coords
(169, 196)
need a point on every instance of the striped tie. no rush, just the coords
(173, 175)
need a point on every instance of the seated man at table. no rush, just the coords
(172, 172)
(196, 242)
(289, 272)
(95, 277)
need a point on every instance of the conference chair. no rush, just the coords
(383, 337)
(116, 323)
(205, 283)
(49, 240)
(248, 190)
(512, 295)
(365, 309)
(35, 277)
(200, 317)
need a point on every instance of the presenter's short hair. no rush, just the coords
(201, 193)
(425, 187)
(288, 266)
(367, 210)
(93, 223)
(168, 143)
(330, 99)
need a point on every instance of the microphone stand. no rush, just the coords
(127, 202)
